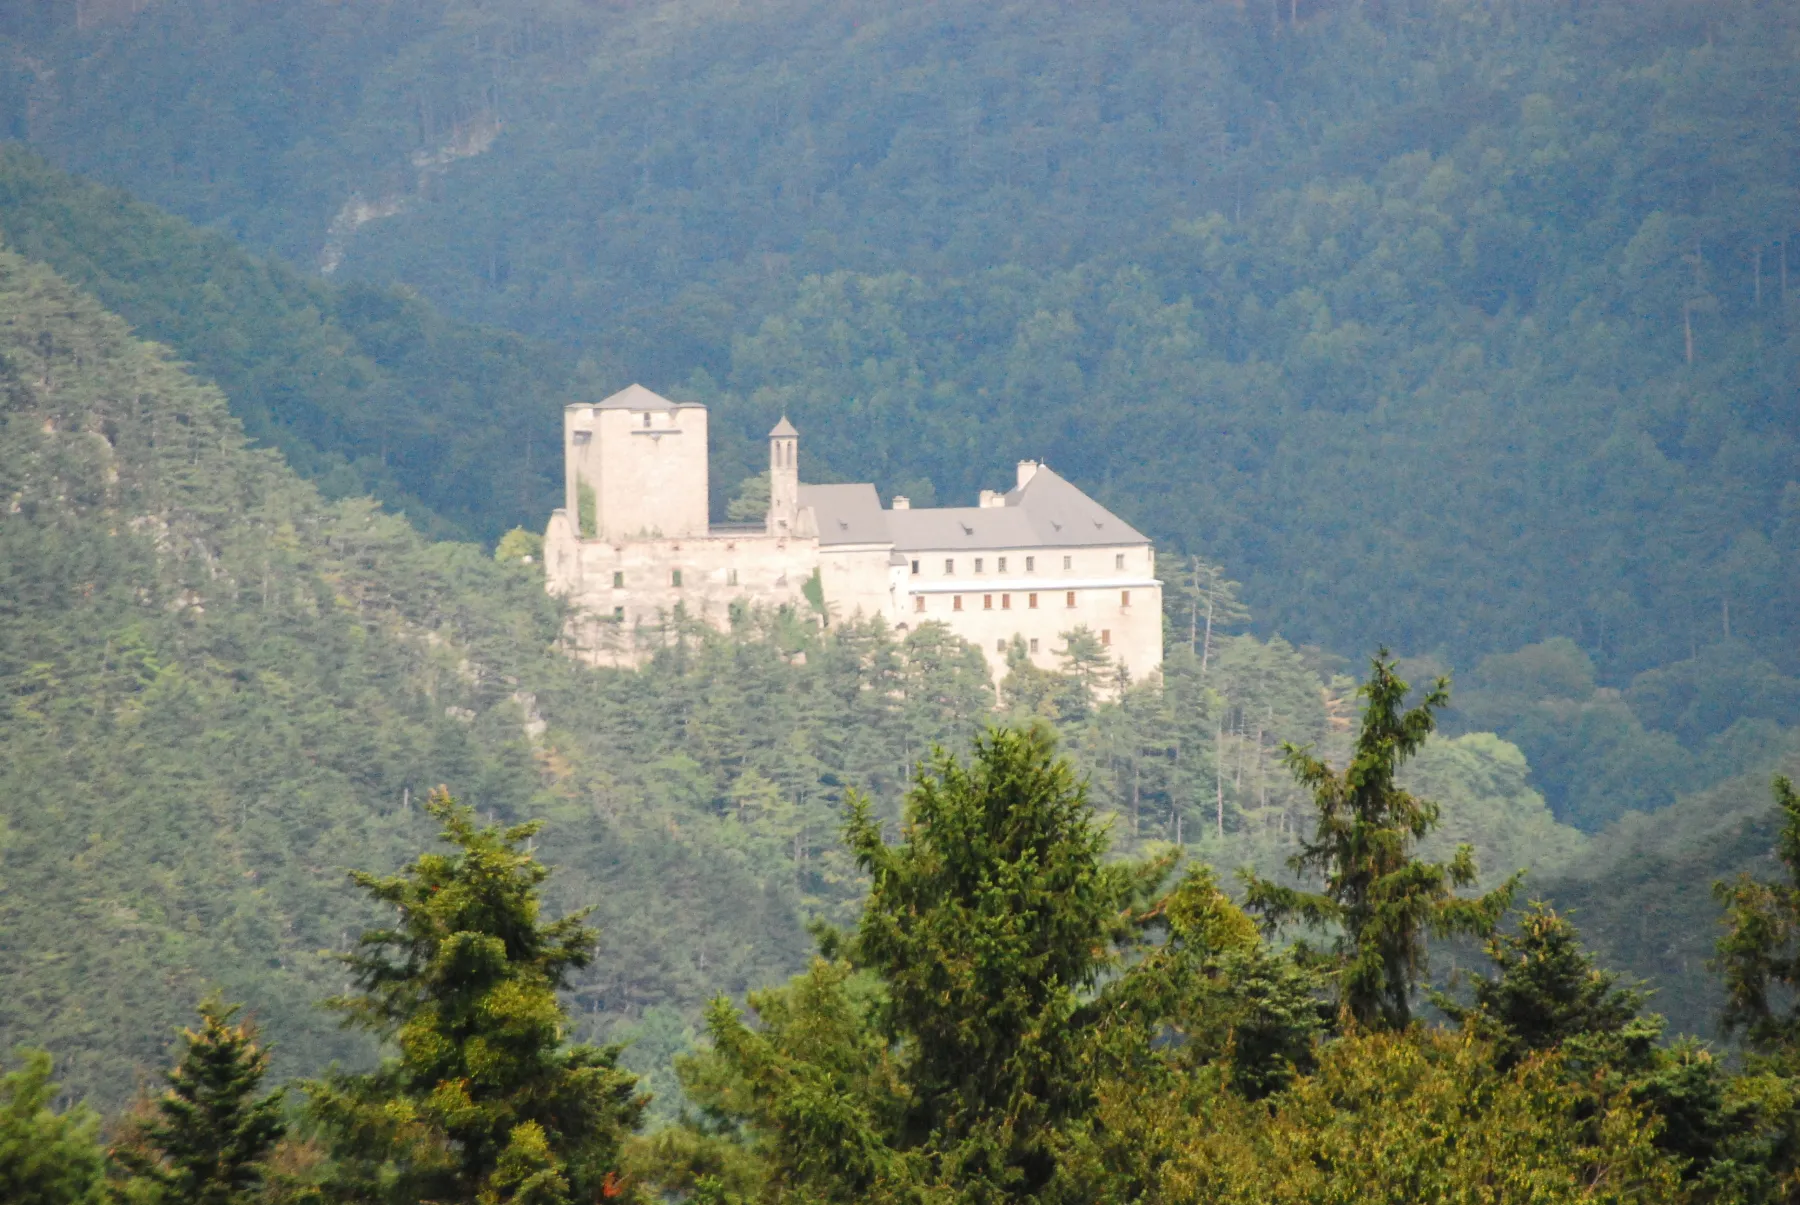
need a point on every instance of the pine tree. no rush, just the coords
(208, 1137)
(483, 1103)
(1381, 898)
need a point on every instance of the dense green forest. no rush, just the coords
(223, 690)
(1458, 326)
(1467, 329)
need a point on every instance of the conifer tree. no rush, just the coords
(1547, 990)
(209, 1135)
(46, 1157)
(1382, 899)
(483, 1103)
(1759, 955)
(987, 923)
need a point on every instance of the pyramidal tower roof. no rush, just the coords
(636, 397)
(783, 428)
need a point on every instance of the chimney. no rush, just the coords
(1027, 470)
(902, 502)
(992, 498)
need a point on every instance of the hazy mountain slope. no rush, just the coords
(363, 389)
(1642, 891)
(1454, 325)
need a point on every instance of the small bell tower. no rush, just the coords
(784, 478)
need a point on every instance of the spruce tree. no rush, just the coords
(208, 1136)
(1547, 990)
(988, 924)
(1382, 900)
(1759, 955)
(483, 1104)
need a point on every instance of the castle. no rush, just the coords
(633, 543)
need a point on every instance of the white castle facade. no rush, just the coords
(633, 545)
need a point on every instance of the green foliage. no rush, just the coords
(587, 510)
(1757, 956)
(1380, 898)
(208, 1137)
(1239, 262)
(1397, 1117)
(46, 1157)
(364, 390)
(1547, 991)
(519, 546)
(751, 502)
(986, 924)
(484, 1102)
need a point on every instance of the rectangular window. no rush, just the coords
(1034, 644)
(1030, 563)
(1068, 562)
(1124, 598)
(619, 614)
(915, 568)
(1000, 646)
(675, 578)
(978, 564)
(1106, 637)
(1006, 602)
(1071, 598)
(918, 602)
(731, 577)
(956, 602)
(987, 602)
(1031, 601)
(949, 566)
(1119, 561)
(1000, 565)
(618, 580)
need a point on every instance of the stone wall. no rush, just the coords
(628, 590)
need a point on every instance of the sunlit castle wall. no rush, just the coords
(644, 460)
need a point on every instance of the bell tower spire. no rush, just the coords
(784, 478)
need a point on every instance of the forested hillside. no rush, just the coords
(1465, 328)
(222, 691)
(364, 390)
(1462, 326)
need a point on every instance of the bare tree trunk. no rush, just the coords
(1219, 777)
(1206, 648)
(1687, 328)
(1137, 778)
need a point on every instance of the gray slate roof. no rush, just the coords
(636, 397)
(1047, 512)
(847, 514)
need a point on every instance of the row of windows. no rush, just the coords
(731, 578)
(1031, 601)
(1000, 564)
